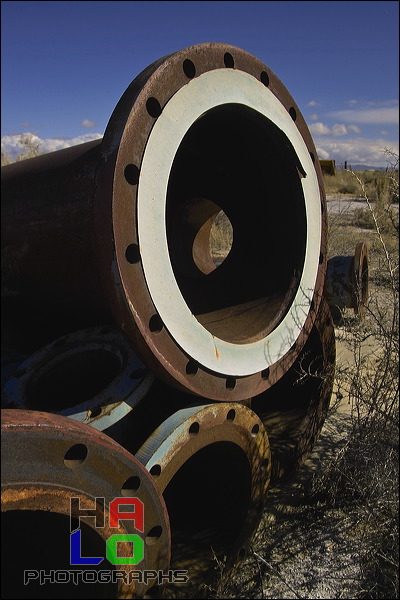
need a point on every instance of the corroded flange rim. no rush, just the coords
(123, 148)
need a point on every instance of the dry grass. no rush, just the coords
(332, 532)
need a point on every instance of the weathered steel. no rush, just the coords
(294, 410)
(46, 460)
(92, 375)
(89, 230)
(347, 282)
(212, 463)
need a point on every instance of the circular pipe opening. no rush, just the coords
(207, 502)
(235, 160)
(68, 380)
(39, 540)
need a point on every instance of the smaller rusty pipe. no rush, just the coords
(347, 283)
(93, 376)
(212, 465)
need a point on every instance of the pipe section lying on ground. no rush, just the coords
(46, 460)
(92, 375)
(212, 464)
(347, 283)
(293, 411)
(121, 226)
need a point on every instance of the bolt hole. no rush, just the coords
(105, 330)
(255, 430)
(231, 415)
(94, 412)
(192, 367)
(153, 535)
(138, 373)
(19, 372)
(312, 305)
(265, 463)
(155, 470)
(59, 343)
(230, 383)
(153, 107)
(132, 254)
(194, 428)
(264, 78)
(131, 486)
(265, 374)
(312, 157)
(156, 324)
(292, 113)
(75, 456)
(228, 60)
(189, 69)
(321, 258)
(131, 173)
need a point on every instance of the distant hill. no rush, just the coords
(360, 167)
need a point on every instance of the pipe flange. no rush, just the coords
(92, 376)
(46, 460)
(212, 464)
(208, 129)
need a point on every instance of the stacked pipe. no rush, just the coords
(142, 365)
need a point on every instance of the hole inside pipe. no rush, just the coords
(39, 540)
(235, 190)
(207, 502)
(68, 380)
(364, 281)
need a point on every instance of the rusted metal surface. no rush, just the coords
(347, 282)
(77, 251)
(212, 463)
(120, 231)
(294, 410)
(92, 375)
(328, 166)
(46, 459)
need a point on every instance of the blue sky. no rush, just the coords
(66, 64)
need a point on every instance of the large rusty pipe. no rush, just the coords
(46, 460)
(121, 227)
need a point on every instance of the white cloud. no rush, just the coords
(319, 129)
(378, 115)
(312, 103)
(383, 132)
(314, 117)
(339, 130)
(358, 150)
(354, 128)
(10, 144)
(87, 123)
(322, 129)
